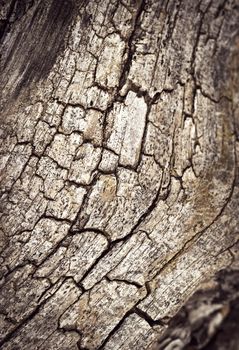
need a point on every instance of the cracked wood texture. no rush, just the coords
(210, 318)
(119, 174)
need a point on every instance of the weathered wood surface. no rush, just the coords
(119, 174)
(210, 318)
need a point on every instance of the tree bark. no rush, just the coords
(119, 174)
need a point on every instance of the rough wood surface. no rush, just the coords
(119, 174)
(210, 318)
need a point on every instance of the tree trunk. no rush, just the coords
(119, 175)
